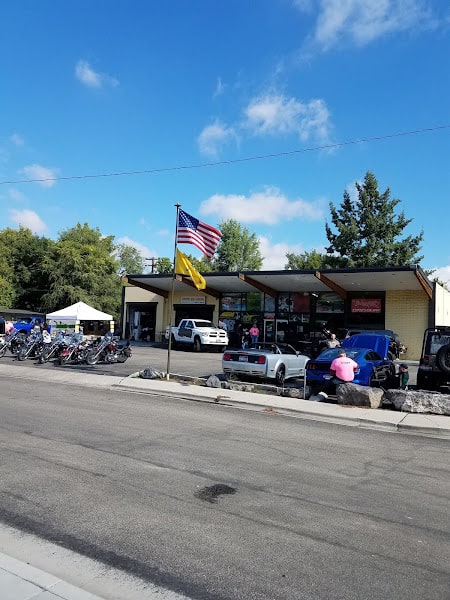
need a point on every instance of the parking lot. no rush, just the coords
(182, 362)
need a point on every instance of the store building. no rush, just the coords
(291, 306)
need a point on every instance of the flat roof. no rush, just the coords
(342, 281)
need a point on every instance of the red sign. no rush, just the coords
(366, 305)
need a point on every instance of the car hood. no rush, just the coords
(374, 341)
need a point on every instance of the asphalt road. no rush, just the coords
(318, 511)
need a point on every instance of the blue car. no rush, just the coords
(369, 351)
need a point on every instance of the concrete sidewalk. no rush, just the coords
(21, 581)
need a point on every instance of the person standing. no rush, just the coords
(254, 333)
(333, 342)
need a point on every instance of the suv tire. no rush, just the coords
(443, 358)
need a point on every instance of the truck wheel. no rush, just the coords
(280, 375)
(197, 345)
(443, 358)
(173, 342)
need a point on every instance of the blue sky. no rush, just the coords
(96, 87)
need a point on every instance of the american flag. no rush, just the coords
(192, 231)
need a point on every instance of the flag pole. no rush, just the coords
(169, 346)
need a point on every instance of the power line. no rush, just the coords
(232, 161)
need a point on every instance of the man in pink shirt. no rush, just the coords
(343, 368)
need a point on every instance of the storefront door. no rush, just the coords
(282, 325)
(269, 330)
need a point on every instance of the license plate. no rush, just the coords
(243, 358)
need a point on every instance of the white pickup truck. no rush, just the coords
(199, 333)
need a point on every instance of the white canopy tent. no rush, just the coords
(74, 314)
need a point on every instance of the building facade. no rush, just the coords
(291, 306)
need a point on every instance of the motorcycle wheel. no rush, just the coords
(2, 351)
(43, 357)
(22, 354)
(91, 358)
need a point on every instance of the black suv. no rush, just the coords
(434, 366)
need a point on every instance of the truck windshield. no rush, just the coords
(203, 324)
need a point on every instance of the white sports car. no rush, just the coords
(266, 361)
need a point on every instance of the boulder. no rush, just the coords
(291, 393)
(151, 373)
(419, 401)
(213, 381)
(353, 394)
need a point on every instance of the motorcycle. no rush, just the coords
(13, 341)
(73, 351)
(108, 350)
(52, 349)
(33, 346)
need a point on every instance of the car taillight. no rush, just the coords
(261, 360)
(227, 356)
(425, 360)
(310, 367)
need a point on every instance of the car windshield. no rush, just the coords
(332, 353)
(24, 320)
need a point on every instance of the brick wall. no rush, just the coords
(407, 315)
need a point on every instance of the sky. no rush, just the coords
(113, 111)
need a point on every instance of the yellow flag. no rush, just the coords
(184, 267)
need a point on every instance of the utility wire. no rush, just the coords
(232, 161)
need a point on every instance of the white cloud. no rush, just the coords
(443, 273)
(275, 254)
(270, 114)
(220, 88)
(275, 114)
(17, 195)
(90, 78)
(144, 251)
(360, 22)
(38, 172)
(214, 137)
(268, 206)
(17, 139)
(28, 218)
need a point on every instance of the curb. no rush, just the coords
(22, 577)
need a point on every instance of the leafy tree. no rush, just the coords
(238, 249)
(7, 291)
(82, 268)
(130, 259)
(306, 261)
(163, 265)
(25, 278)
(368, 230)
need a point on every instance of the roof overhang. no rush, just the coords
(341, 281)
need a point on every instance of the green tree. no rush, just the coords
(82, 268)
(22, 258)
(306, 261)
(163, 264)
(7, 291)
(368, 230)
(238, 249)
(130, 260)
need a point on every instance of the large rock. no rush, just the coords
(419, 401)
(213, 381)
(353, 394)
(151, 373)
